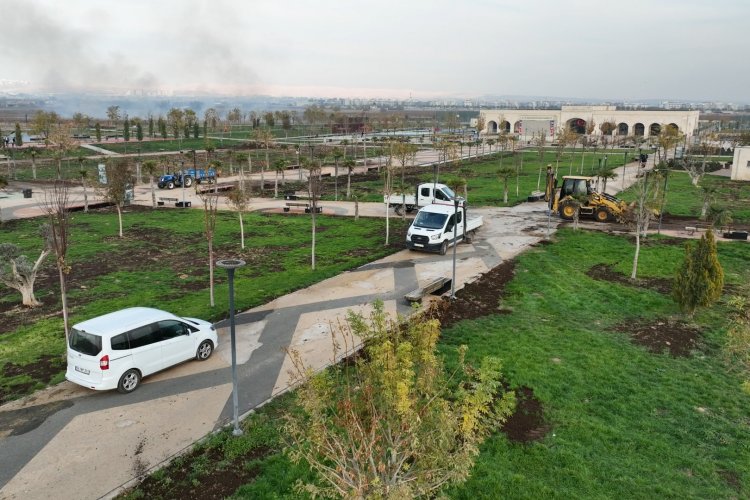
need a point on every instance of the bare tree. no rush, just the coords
(63, 144)
(55, 206)
(349, 165)
(84, 182)
(210, 207)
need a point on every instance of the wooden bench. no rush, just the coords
(305, 205)
(432, 286)
(693, 229)
(210, 188)
(163, 199)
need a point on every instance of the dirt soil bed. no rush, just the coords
(479, 298)
(676, 337)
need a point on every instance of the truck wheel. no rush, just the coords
(409, 209)
(188, 182)
(129, 381)
(444, 248)
(170, 185)
(602, 214)
(567, 211)
(398, 210)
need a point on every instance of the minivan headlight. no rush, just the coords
(435, 236)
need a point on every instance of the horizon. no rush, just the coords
(682, 50)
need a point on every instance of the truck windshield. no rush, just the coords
(449, 192)
(430, 220)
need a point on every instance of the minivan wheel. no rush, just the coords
(204, 350)
(129, 381)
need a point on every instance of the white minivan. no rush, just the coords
(117, 350)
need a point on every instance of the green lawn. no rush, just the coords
(162, 262)
(624, 422)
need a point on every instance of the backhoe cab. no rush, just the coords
(579, 191)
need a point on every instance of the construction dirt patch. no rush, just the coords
(604, 272)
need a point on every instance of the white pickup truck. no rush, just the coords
(425, 194)
(435, 227)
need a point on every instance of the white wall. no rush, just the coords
(741, 164)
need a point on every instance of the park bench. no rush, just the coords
(697, 228)
(431, 287)
(210, 188)
(301, 204)
(163, 199)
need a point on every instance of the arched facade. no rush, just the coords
(530, 123)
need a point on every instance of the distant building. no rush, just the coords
(602, 120)
(741, 164)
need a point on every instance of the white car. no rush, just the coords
(117, 350)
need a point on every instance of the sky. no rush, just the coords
(693, 50)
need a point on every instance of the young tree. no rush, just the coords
(313, 190)
(33, 152)
(149, 166)
(240, 201)
(98, 132)
(150, 126)
(63, 144)
(119, 180)
(126, 129)
(396, 423)
(18, 273)
(210, 207)
(265, 137)
(55, 206)
(337, 154)
(19, 135)
(504, 174)
(241, 159)
(279, 166)
(700, 279)
(646, 189)
(139, 131)
(113, 113)
(83, 173)
(349, 166)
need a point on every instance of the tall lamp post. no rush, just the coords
(230, 265)
(455, 233)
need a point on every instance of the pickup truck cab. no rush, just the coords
(425, 194)
(436, 227)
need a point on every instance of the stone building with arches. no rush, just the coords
(594, 120)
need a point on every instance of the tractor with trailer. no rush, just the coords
(578, 193)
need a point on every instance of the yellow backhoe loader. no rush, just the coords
(579, 190)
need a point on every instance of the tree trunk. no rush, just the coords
(637, 251)
(242, 232)
(33, 167)
(336, 181)
(312, 258)
(505, 193)
(704, 209)
(211, 271)
(276, 185)
(27, 292)
(63, 298)
(349, 185)
(85, 196)
(153, 193)
(119, 218)
(356, 209)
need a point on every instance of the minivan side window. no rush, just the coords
(85, 343)
(142, 336)
(169, 329)
(120, 342)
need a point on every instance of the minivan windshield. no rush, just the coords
(85, 343)
(430, 220)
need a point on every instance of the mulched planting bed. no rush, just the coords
(678, 338)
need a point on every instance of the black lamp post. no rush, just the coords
(230, 265)
(455, 234)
